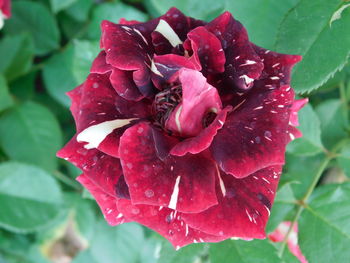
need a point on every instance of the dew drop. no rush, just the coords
(171, 232)
(257, 139)
(267, 134)
(149, 193)
(135, 211)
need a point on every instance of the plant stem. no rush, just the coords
(66, 180)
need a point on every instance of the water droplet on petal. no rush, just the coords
(149, 193)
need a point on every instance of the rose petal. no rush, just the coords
(166, 222)
(255, 134)
(122, 82)
(243, 65)
(5, 8)
(127, 48)
(107, 203)
(243, 208)
(99, 65)
(185, 183)
(297, 105)
(204, 139)
(198, 99)
(207, 50)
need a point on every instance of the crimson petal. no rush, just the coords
(186, 184)
(107, 203)
(255, 134)
(243, 208)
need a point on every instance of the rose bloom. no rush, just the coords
(182, 126)
(5, 11)
(279, 235)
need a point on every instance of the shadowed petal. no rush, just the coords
(244, 205)
(154, 177)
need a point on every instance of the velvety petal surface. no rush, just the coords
(154, 177)
(167, 222)
(255, 133)
(243, 208)
(106, 202)
(198, 99)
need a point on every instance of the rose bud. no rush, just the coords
(5, 11)
(182, 126)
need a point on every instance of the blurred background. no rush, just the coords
(46, 49)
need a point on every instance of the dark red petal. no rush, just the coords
(186, 184)
(207, 50)
(166, 222)
(99, 65)
(122, 82)
(277, 68)
(127, 48)
(204, 139)
(123, 21)
(243, 65)
(166, 68)
(107, 203)
(96, 105)
(255, 134)
(243, 208)
(198, 99)
(102, 169)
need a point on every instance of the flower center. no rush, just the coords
(165, 102)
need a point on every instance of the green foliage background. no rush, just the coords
(46, 49)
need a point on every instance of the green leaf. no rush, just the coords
(80, 9)
(306, 31)
(116, 244)
(16, 54)
(204, 9)
(77, 59)
(112, 11)
(310, 143)
(84, 53)
(344, 159)
(30, 198)
(23, 88)
(333, 121)
(244, 252)
(5, 97)
(300, 171)
(283, 205)
(34, 18)
(263, 26)
(58, 5)
(58, 79)
(324, 226)
(188, 254)
(30, 133)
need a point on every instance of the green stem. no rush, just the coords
(344, 100)
(66, 180)
(303, 202)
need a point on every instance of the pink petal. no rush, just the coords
(204, 139)
(107, 203)
(207, 50)
(279, 235)
(198, 99)
(243, 208)
(255, 134)
(156, 178)
(297, 105)
(5, 8)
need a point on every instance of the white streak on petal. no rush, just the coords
(140, 34)
(165, 29)
(246, 79)
(95, 134)
(177, 118)
(222, 185)
(175, 194)
(155, 70)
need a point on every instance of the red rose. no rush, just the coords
(5, 11)
(182, 126)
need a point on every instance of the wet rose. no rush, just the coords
(5, 11)
(182, 126)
